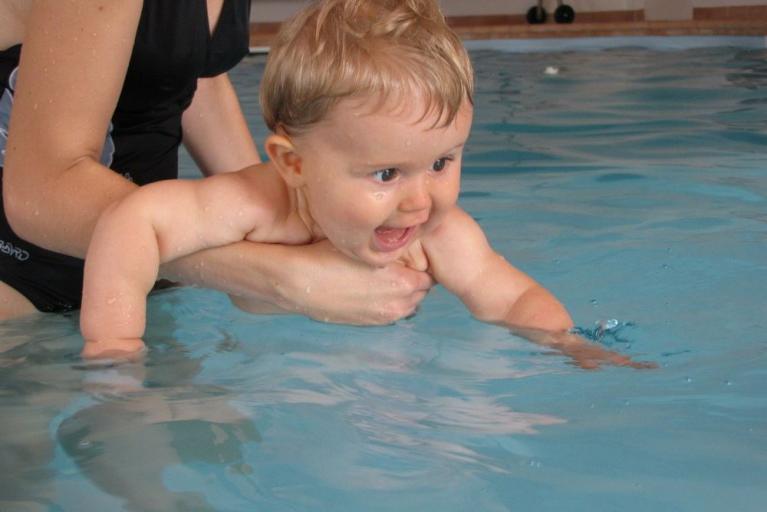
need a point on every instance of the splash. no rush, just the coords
(607, 332)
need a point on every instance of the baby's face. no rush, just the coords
(377, 179)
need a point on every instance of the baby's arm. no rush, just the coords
(155, 224)
(462, 260)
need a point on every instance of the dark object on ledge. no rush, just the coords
(536, 15)
(564, 13)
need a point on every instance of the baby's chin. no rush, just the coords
(376, 258)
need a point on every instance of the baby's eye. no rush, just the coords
(440, 164)
(385, 175)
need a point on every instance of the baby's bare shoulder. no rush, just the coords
(456, 228)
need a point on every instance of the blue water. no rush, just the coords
(631, 184)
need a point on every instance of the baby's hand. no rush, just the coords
(125, 349)
(585, 354)
(590, 356)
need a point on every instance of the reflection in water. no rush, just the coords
(123, 434)
(33, 388)
(126, 444)
(362, 410)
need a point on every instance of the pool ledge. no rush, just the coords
(510, 27)
(756, 27)
(559, 44)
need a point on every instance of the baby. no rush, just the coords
(370, 105)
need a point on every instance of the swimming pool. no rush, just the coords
(630, 182)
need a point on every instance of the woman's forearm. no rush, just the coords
(306, 280)
(43, 211)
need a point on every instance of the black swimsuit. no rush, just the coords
(173, 48)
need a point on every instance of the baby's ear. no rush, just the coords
(285, 158)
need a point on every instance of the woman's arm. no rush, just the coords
(215, 131)
(72, 68)
(312, 280)
(13, 15)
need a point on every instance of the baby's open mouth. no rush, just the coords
(390, 239)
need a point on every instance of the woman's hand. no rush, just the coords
(330, 287)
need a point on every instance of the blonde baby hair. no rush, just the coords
(385, 49)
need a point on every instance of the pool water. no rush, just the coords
(630, 181)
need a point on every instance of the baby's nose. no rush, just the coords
(418, 196)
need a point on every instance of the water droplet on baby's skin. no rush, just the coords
(378, 195)
(111, 300)
(308, 289)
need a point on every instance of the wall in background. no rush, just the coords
(278, 10)
(658, 10)
(484, 7)
(265, 11)
(727, 3)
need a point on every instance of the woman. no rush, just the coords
(101, 95)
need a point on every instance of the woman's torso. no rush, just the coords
(173, 48)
